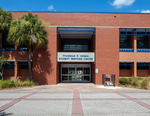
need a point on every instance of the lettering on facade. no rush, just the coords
(75, 57)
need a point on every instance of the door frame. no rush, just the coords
(76, 66)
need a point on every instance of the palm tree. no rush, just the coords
(5, 19)
(28, 30)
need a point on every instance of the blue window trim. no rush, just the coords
(138, 64)
(142, 50)
(8, 49)
(141, 64)
(76, 32)
(126, 64)
(22, 49)
(126, 50)
(136, 32)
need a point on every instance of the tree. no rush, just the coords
(2, 61)
(28, 30)
(5, 20)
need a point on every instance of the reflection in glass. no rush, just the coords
(71, 70)
(79, 78)
(72, 78)
(86, 70)
(64, 70)
(64, 78)
(87, 78)
(79, 71)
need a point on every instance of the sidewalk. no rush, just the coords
(75, 99)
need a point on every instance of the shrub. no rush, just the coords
(135, 81)
(124, 81)
(10, 84)
(145, 83)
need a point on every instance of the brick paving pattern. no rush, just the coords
(74, 99)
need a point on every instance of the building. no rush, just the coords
(84, 46)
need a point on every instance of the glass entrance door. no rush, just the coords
(75, 72)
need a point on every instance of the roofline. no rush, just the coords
(78, 12)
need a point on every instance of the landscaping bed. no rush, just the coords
(135, 82)
(14, 84)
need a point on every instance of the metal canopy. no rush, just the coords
(76, 31)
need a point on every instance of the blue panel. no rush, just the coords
(8, 49)
(126, 50)
(85, 32)
(143, 50)
(145, 33)
(126, 64)
(22, 49)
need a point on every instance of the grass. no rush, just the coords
(135, 82)
(12, 84)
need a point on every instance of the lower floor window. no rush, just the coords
(24, 65)
(142, 66)
(9, 65)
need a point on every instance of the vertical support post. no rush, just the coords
(135, 43)
(16, 69)
(135, 69)
(114, 80)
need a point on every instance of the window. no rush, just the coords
(124, 41)
(24, 48)
(9, 65)
(142, 66)
(76, 44)
(24, 65)
(5, 44)
(125, 66)
(142, 42)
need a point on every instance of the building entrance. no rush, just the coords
(75, 72)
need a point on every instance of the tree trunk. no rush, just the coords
(1, 52)
(29, 62)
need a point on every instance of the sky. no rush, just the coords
(110, 6)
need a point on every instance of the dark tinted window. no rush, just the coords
(125, 66)
(142, 66)
(5, 43)
(124, 41)
(76, 44)
(9, 65)
(142, 41)
(24, 65)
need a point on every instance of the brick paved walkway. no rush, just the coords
(74, 99)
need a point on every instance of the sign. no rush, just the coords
(75, 57)
(96, 70)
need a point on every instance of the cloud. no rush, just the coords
(122, 3)
(51, 7)
(136, 10)
(145, 11)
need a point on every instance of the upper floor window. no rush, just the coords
(76, 44)
(5, 44)
(142, 42)
(124, 41)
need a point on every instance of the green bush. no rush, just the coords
(10, 84)
(145, 83)
(135, 81)
(130, 81)
(124, 81)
